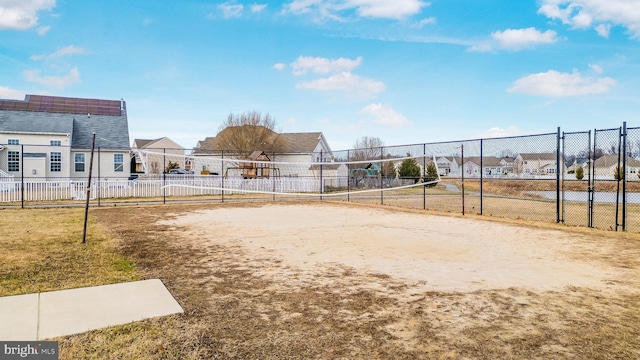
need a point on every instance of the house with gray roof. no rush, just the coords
(537, 164)
(151, 156)
(304, 148)
(50, 137)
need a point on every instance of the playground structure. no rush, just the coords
(255, 170)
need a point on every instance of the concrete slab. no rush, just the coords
(19, 317)
(73, 311)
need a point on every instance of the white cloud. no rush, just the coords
(603, 30)
(347, 82)
(43, 30)
(58, 82)
(497, 132)
(279, 66)
(426, 21)
(587, 13)
(11, 94)
(230, 10)
(596, 68)
(516, 39)
(383, 114)
(385, 9)
(323, 65)
(258, 7)
(22, 14)
(67, 50)
(556, 84)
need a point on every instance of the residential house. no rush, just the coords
(489, 166)
(605, 167)
(448, 165)
(536, 164)
(303, 148)
(50, 137)
(157, 154)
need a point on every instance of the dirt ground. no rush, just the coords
(338, 281)
(432, 253)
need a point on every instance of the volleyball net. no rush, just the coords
(288, 174)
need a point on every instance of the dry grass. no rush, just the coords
(230, 313)
(42, 250)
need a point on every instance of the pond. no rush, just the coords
(599, 197)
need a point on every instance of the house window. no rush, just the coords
(13, 142)
(79, 161)
(13, 161)
(118, 162)
(55, 143)
(55, 162)
(551, 171)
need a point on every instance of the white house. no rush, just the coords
(50, 137)
(157, 155)
(536, 164)
(295, 148)
(605, 167)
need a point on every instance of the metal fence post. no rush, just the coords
(98, 187)
(321, 187)
(380, 174)
(558, 168)
(617, 176)
(223, 173)
(462, 164)
(164, 176)
(481, 175)
(22, 176)
(624, 176)
(589, 188)
(424, 175)
(592, 193)
(348, 178)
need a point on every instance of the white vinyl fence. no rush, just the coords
(12, 191)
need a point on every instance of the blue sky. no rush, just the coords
(406, 71)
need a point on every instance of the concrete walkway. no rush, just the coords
(59, 313)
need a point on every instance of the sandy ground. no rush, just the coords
(296, 243)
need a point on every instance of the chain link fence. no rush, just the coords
(589, 178)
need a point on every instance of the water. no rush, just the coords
(583, 196)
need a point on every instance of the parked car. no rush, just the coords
(179, 171)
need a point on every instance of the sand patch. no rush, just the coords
(436, 253)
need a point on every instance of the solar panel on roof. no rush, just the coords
(63, 105)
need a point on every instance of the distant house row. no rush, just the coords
(528, 165)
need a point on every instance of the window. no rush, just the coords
(13, 161)
(55, 143)
(55, 162)
(118, 162)
(79, 160)
(551, 171)
(13, 142)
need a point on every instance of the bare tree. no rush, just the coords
(248, 132)
(367, 148)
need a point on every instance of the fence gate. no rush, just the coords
(576, 178)
(606, 205)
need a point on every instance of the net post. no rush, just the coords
(164, 176)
